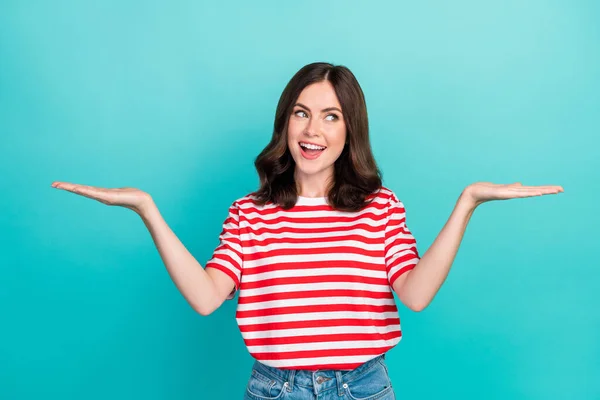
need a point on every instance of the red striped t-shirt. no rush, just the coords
(315, 283)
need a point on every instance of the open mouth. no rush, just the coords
(311, 151)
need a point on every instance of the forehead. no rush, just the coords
(318, 96)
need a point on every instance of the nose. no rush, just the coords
(312, 127)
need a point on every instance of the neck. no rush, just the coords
(314, 185)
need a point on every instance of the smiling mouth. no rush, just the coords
(310, 151)
(310, 146)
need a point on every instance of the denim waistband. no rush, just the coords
(323, 379)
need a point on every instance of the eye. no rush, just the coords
(335, 117)
(298, 112)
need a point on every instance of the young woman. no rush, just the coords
(317, 250)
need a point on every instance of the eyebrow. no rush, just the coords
(323, 110)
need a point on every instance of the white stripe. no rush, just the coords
(311, 235)
(313, 257)
(314, 301)
(315, 286)
(338, 345)
(317, 361)
(402, 265)
(400, 251)
(337, 225)
(317, 214)
(252, 206)
(392, 239)
(316, 316)
(226, 243)
(316, 244)
(226, 265)
(330, 330)
(227, 252)
(290, 273)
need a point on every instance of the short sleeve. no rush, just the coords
(401, 254)
(227, 257)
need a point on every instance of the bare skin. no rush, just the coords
(417, 288)
(317, 118)
(206, 290)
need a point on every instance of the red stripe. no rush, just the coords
(314, 250)
(310, 240)
(273, 326)
(400, 272)
(408, 244)
(318, 207)
(298, 280)
(312, 230)
(314, 264)
(225, 270)
(224, 247)
(227, 258)
(316, 308)
(369, 216)
(343, 337)
(399, 260)
(314, 367)
(288, 355)
(314, 293)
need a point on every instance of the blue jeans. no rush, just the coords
(369, 381)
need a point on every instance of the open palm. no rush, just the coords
(481, 192)
(131, 198)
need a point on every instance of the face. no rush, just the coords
(316, 132)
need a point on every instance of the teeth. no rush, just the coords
(312, 146)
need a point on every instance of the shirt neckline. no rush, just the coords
(311, 200)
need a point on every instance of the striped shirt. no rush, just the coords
(315, 283)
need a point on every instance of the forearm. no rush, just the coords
(189, 276)
(425, 279)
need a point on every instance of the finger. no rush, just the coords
(73, 187)
(543, 189)
(550, 189)
(546, 187)
(91, 192)
(65, 185)
(532, 191)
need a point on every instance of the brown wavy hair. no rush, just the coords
(356, 174)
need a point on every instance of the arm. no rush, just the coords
(417, 287)
(204, 289)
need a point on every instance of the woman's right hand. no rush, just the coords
(204, 290)
(131, 198)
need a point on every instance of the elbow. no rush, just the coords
(204, 309)
(417, 305)
(205, 312)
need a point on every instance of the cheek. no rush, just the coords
(338, 137)
(295, 125)
(293, 131)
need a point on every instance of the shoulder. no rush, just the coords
(247, 203)
(386, 195)
(392, 203)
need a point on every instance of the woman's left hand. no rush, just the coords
(480, 192)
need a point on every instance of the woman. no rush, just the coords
(317, 250)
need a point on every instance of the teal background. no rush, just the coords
(177, 98)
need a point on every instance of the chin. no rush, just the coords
(311, 169)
